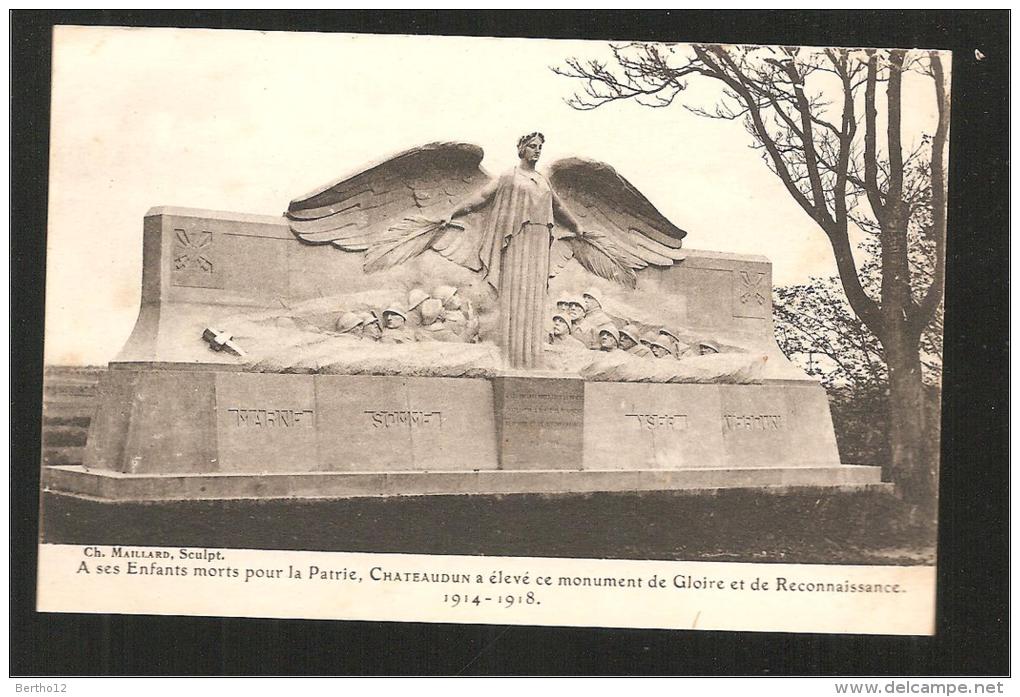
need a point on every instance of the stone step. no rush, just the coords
(64, 435)
(74, 372)
(58, 390)
(118, 486)
(65, 405)
(72, 418)
(62, 455)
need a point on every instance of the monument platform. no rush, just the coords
(177, 420)
(165, 434)
(117, 486)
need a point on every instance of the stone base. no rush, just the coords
(170, 421)
(117, 486)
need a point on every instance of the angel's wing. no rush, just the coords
(377, 209)
(625, 231)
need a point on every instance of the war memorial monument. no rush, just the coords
(423, 327)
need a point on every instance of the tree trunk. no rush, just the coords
(911, 467)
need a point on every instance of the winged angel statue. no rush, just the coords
(517, 230)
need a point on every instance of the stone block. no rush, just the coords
(154, 422)
(651, 426)
(381, 424)
(265, 422)
(539, 422)
(785, 424)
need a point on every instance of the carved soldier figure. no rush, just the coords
(677, 347)
(396, 330)
(594, 318)
(458, 303)
(659, 348)
(609, 337)
(371, 328)
(434, 323)
(444, 294)
(630, 341)
(414, 300)
(560, 334)
(575, 313)
(431, 319)
(350, 324)
(707, 347)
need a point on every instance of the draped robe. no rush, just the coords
(515, 256)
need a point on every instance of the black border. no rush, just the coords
(973, 571)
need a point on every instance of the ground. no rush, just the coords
(796, 527)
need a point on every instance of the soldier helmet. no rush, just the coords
(415, 298)
(670, 334)
(561, 316)
(708, 346)
(431, 309)
(368, 317)
(349, 321)
(594, 294)
(395, 310)
(654, 341)
(444, 293)
(611, 330)
(632, 333)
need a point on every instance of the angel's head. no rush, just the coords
(529, 147)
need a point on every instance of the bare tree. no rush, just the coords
(817, 329)
(814, 116)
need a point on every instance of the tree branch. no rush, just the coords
(933, 297)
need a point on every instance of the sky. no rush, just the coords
(245, 121)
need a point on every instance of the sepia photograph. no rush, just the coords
(522, 331)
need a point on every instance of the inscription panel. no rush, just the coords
(376, 424)
(265, 423)
(540, 422)
(273, 418)
(651, 426)
(651, 422)
(405, 418)
(754, 423)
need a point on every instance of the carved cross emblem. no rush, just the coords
(751, 288)
(190, 251)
